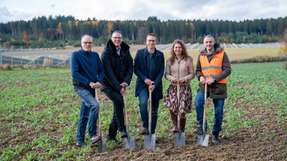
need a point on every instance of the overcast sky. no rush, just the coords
(11, 10)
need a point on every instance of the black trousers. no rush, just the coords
(117, 122)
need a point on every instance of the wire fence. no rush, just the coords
(46, 61)
(22, 57)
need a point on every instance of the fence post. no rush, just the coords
(1, 56)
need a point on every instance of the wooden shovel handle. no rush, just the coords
(204, 107)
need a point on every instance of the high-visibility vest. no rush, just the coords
(214, 67)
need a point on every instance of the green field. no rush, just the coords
(39, 112)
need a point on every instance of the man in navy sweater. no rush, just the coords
(87, 74)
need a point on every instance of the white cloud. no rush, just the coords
(141, 9)
(4, 14)
(13, 15)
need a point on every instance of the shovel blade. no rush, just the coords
(129, 143)
(149, 142)
(102, 146)
(180, 139)
(199, 139)
(203, 140)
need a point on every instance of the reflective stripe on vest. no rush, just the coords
(214, 67)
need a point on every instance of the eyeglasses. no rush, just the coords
(87, 42)
(117, 37)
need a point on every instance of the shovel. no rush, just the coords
(203, 139)
(149, 140)
(179, 135)
(102, 146)
(129, 141)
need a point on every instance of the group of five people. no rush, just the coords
(113, 73)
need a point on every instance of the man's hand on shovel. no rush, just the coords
(123, 88)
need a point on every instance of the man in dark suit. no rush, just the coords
(149, 68)
(118, 70)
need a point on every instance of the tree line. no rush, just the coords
(61, 31)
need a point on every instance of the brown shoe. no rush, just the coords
(144, 131)
(174, 130)
(95, 139)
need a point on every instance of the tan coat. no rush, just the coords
(181, 69)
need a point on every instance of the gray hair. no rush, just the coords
(117, 31)
(209, 36)
(86, 35)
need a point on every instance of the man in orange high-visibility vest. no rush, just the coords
(213, 68)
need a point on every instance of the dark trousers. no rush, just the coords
(117, 122)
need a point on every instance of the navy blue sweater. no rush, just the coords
(86, 67)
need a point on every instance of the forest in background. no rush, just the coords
(61, 31)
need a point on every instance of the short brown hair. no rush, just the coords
(151, 34)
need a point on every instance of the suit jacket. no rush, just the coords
(156, 73)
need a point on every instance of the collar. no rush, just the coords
(154, 54)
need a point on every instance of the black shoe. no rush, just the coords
(113, 139)
(215, 139)
(124, 135)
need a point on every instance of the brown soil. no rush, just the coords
(266, 140)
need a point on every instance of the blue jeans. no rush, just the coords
(88, 114)
(143, 103)
(218, 112)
